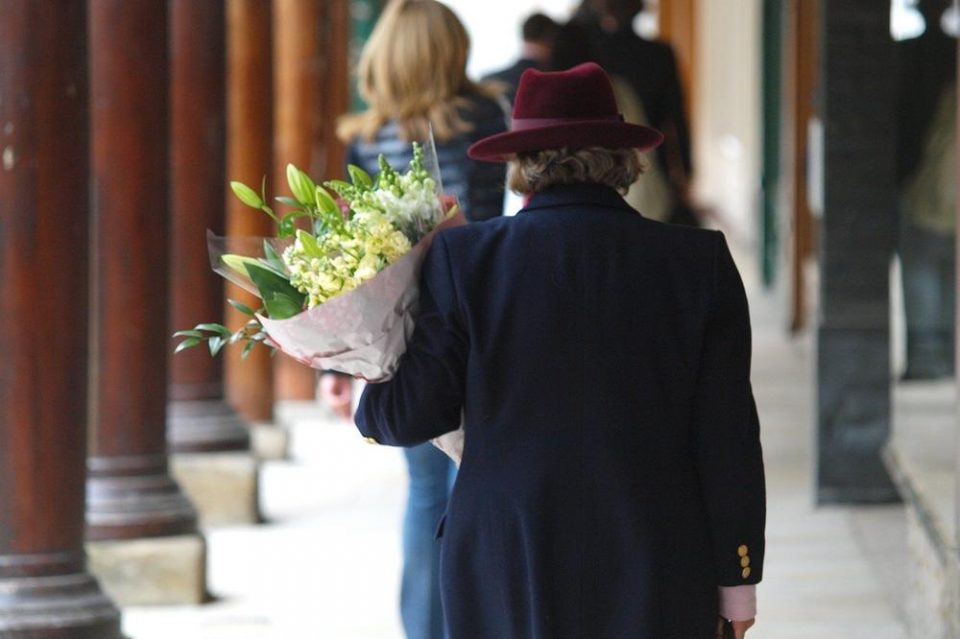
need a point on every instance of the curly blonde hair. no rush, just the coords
(534, 172)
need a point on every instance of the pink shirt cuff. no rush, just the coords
(738, 603)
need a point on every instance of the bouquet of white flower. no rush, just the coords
(343, 295)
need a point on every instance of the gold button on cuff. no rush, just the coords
(745, 561)
(743, 550)
(745, 572)
(370, 440)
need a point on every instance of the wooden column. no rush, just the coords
(212, 460)
(336, 84)
(249, 159)
(45, 589)
(298, 87)
(130, 492)
(678, 26)
(199, 420)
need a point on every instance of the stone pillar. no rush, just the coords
(859, 224)
(211, 443)
(956, 333)
(249, 160)
(953, 571)
(143, 530)
(45, 589)
(299, 83)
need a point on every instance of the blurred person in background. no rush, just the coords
(926, 161)
(538, 32)
(650, 68)
(412, 74)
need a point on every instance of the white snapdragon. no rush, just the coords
(343, 261)
(384, 224)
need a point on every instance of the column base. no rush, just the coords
(202, 426)
(224, 487)
(152, 570)
(270, 441)
(56, 607)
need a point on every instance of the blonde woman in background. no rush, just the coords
(412, 74)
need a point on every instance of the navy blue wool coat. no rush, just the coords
(612, 475)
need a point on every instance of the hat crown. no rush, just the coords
(573, 109)
(581, 92)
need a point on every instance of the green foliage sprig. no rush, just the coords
(217, 335)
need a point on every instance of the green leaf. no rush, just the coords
(273, 259)
(239, 262)
(289, 201)
(280, 306)
(344, 189)
(185, 344)
(246, 349)
(270, 252)
(246, 195)
(309, 244)
(286, 228)
(288, 225)
(279, 297)
(325, 201)
(240, 306)
(359, 177)
(215, 344)
(189, 333)
(215, 328)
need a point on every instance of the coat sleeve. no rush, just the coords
(425, 397)
(727, 446)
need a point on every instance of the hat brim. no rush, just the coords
(575, 135)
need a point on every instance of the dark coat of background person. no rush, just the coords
(651, 70)
(612, 465)
(925, 66)
(538, 32)
(510, 76)
(478, 186)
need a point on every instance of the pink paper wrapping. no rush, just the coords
(363, 332)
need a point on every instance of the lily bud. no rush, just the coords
(300, 184)
(246, 195)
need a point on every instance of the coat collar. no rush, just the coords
(588, 195)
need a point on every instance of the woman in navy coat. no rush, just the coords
(612, 484)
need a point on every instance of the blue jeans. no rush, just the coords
(431, 478)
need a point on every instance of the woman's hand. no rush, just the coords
(337, 392)
(739, 628)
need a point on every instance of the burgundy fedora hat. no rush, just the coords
(575, 108)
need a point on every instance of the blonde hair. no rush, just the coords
(538, 171)
(413, 70)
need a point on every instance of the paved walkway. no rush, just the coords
(326, 565)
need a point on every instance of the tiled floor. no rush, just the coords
(326, 566)
(830, 572)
